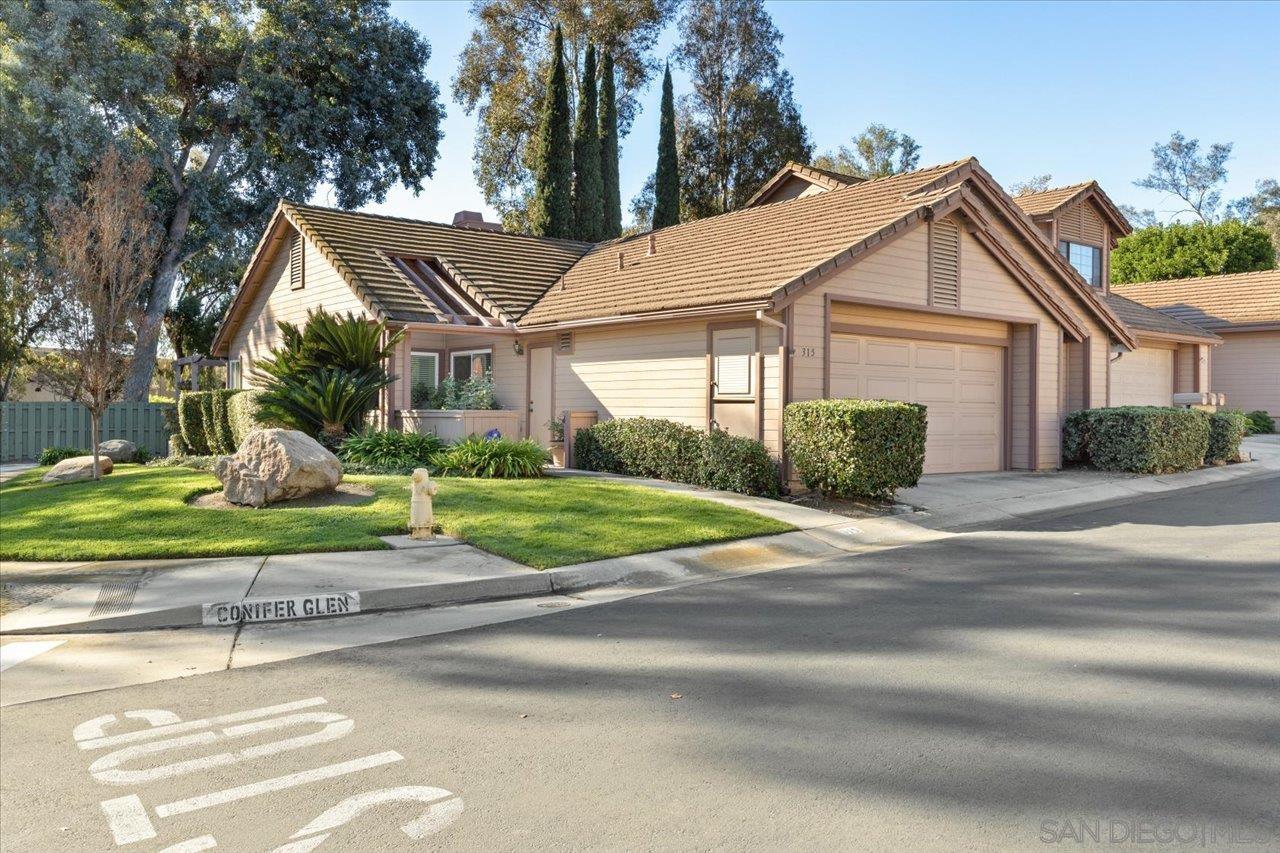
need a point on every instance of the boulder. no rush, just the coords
(277, 465)
(118, 449)
(77, 468)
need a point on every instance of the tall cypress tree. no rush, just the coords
(588, 187)
(666, 185)
(609, 151)
(551, 212)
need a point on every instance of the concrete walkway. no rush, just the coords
(12, 469)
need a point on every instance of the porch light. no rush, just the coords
(518, 347)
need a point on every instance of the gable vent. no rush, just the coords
(564, 343)
(944, 264)
(296, 273)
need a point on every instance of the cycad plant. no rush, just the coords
(326, 376)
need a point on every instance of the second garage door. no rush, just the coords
(962, 384)
(1143, 377)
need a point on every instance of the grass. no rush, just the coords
(140, 512)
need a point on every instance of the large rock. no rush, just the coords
(118, 449)
(77, 468)
(277, 465)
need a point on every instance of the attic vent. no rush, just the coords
(297, 277)
(944, 265)
(564, 343)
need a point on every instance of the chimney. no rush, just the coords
(475, 221)
(621, 259)
(653, 245)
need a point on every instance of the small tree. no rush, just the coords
(551, 213)
(105, 250)
(609, 149)
(588, 183)
(666, 192)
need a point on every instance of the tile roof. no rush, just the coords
(736, 257)
(1215, 301)
(511, 270)
(1144, 319)
(1047, 201)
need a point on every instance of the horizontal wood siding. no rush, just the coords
(1246, 367)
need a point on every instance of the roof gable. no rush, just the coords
(1052, 203)
(824, 179)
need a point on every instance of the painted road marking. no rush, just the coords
(12, 654)
(442, 809)
(278, 609)
(279, 783)
(89, 734)
(192, 845)
(850, 531)
(127, 818)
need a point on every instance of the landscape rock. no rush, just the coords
(119, 450)
(77, 468)
(277, 465)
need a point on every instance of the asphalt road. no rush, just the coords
(1113, 672)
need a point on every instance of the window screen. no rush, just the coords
(233, 373)
(424, 375)
(464, 365)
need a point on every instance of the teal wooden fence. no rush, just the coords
(28, 428)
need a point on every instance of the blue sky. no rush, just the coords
(1078, 90)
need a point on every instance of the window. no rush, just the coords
(464, 365)
(1086, 259)
(424, 376)
(734, 362)
(233, 373)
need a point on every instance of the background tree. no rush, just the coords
(1262, 209)
(877, 152)
(503, 67)
(1180, 170)
(106, 248)
(27, 306)
(235, 102)
(551, 209)
(666, 185)
(612, 186)
(588, 183)
(191, 327)
(1184, 250)
(1033, 184)
(740, 122)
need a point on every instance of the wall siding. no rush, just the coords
(1246, 367)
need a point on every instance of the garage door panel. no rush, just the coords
(1143, 377)
(961, 384)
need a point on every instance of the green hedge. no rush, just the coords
(1139, 439)
(856, 448)
(191, 422)
(1226, 430)
(667, 450)
(203, 417)
(1260, 422)
(243, 416)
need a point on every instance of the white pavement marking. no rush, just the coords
(84, 733)
(192, 845)
(306, 845)
(127, 817)
(12, 654)
(279, 783)
(436, 817)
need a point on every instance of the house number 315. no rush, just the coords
(808, 352)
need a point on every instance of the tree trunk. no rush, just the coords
(95, 430)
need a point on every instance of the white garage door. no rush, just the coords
(1143, 377)
(962, 384)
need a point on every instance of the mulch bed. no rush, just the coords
(346, 494)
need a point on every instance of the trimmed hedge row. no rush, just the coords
(243, 416)
(1151, 439)
(856, 448)
(203, 421)
(667, 450)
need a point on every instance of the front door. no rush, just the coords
(541, 393)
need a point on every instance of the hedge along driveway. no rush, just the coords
(140, 512)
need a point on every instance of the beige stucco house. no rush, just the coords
(933, 286)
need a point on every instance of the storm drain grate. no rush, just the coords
(116, 596)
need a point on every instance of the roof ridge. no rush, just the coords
(1062, 188)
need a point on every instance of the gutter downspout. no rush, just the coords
(784, 370)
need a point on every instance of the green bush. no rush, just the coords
(209, 419)
(191, 422)
(54, 455)
(856, 448)
(449, 393)
(199, 463)
(1076, 431)
(243, 416)
(1226, 429)
(497, 458)
(390, 449)
(1140, 439)
(668, 450)
(1260, 423)
(221, 438)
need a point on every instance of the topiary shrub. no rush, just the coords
(737, 464)
(390, 449)
(856, 448)
(496, 458)
(191, 415)
(1147, 439)
(54, 455)
(1260, 422)
(1227, 429)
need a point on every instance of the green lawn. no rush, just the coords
(141, 512)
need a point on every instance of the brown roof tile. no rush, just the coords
(1214, 301)
(1047, 201)
(1144, 319)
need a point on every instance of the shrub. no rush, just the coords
(856, 448)
(1226, 429)
(1147, 439)
(199, 463)
(243, 416)
(668, 450)
(191, 422)
(209, 418)
(390, 449)
(1076, 431)
(498, 458)
(474, 393)
(221, 439)
(54, 455)
(1260, 422)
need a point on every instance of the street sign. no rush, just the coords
(278, 609)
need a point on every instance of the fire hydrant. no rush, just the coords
(421, 517)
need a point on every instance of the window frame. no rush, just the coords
(233, 374)
(434, 355)
(752, 366)
(453, 354)
(1064, 249)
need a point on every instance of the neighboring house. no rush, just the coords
(933, 286)
(1243, 309)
